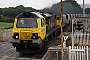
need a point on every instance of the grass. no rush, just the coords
(4, 25)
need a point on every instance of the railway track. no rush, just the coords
(6, 56)
(54, 42)
(2, 44)
(7, 52)
(11, 54)
(39, 55)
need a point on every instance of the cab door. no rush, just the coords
(43, 29)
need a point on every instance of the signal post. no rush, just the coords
(62, 56)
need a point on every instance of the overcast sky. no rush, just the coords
(38, 4)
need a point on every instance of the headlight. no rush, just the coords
(35, 36)
(16, 36)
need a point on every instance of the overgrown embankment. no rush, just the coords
(5, 31)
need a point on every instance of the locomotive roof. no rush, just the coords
(46, 14)
(37, 14)
(30, 14)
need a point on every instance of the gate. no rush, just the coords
(78, 53)
(81, 49)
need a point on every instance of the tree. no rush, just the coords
(8, 14)
(67, 8)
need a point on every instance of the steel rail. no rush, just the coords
(6, 56)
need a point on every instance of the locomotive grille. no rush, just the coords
(25, 35)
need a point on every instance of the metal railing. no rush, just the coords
(54, 53)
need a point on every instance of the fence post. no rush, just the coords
(81, 34)
(77, 37)
(84, 37)
(57, 55)
(69, 52)
(82, 53)
(87, 38)
(87, 52)
(77, 53)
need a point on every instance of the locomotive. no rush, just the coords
(32, 30)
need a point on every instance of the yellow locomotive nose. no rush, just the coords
(25, 35)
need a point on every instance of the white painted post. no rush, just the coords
(82, 53)
(57, 55)
(77, 53)
(87, 37)
(69, 52)
(87, 52)
(72, 33)
(81, 34)
(84, 37)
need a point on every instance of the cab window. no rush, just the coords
(26, 23)
(42, 22)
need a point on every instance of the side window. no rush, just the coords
(42, 22)
(66, 16)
